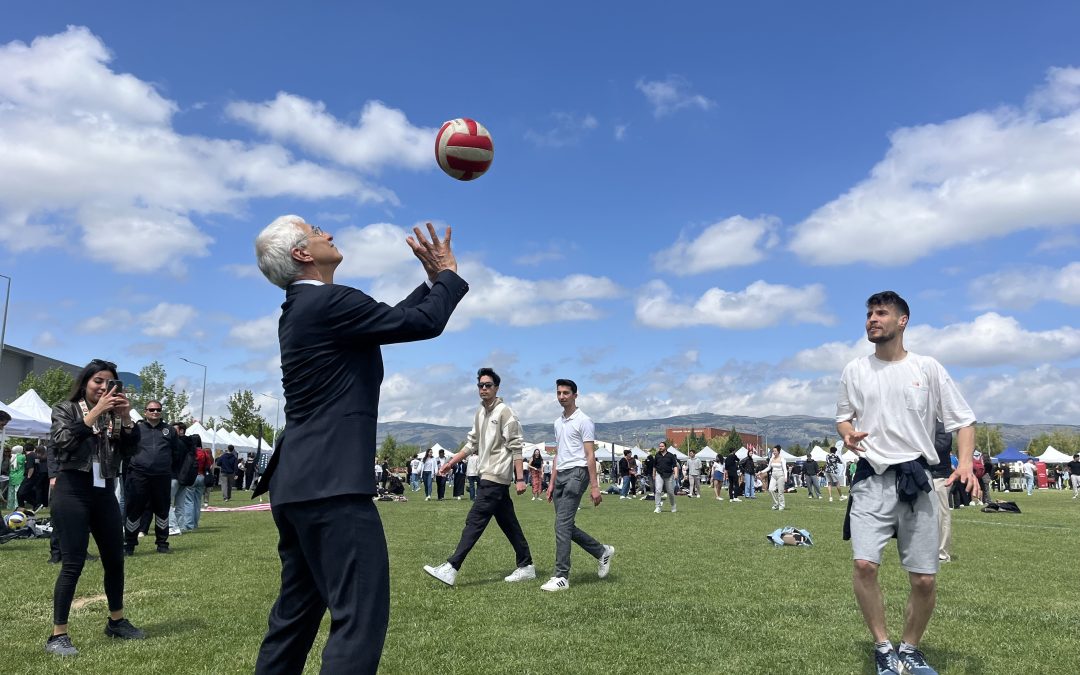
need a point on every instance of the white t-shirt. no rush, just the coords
(1028, 469)
(897, 404)
(429, 464)
(571, 434)
(416, 464)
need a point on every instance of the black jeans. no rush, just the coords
(733, 490)
(333, 556)
(141, 491)
(79, 509)
(492, 499)
(440, 482)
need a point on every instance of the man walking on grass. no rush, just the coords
(573, 471)
(495, 443)
(664, 466)
(886, 411)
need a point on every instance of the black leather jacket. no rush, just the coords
(77, 446)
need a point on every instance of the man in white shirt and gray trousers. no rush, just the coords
(886, 412)
(573, 470)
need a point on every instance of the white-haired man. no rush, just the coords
(331, 541)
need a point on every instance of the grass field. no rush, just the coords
(700, 591)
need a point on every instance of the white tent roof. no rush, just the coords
(199, 429)
(849, 456)
(788, 457)
(436, 448)
(679, 455)
(22, 424)
(1054, 456)
(706, 455)
(32, 405)
(818, 453)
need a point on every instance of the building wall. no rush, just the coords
(676, 435)
(16, 364)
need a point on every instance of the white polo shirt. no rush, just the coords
(571, 434)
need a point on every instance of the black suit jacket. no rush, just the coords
(332, 369)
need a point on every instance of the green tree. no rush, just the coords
(53, 386)
(153, 388)
(244, 417)
(733, 442)
(987, 439)
(797, 450)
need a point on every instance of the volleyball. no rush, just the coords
(15, 520)
(464, 149)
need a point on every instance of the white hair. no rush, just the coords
(273, 249)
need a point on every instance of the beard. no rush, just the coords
(883, 336)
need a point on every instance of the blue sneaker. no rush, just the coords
(888, 663)
(915, 663)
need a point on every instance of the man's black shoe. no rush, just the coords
(164, 549)
(124, 630)
(129, 551)
(54, 559)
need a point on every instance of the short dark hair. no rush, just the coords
(4, 416)
(624, 452)
(180, 425)
(562, 382)
(888, 298)
(490, 372)
(78, 390)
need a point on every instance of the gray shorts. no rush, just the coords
(876, 514)
(833, 478)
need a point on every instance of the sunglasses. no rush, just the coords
(485, 385)
(153, 410)
(107, 365)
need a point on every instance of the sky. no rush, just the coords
(687, 209)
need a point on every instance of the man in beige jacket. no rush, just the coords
(495, 439)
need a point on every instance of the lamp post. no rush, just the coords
(7, 301)
(277, 415)
(202, 409)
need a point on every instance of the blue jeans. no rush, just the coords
(1029, 481)
(427, 483)
(748, 485)
(415, 482)
(625, 486)
(193, 506)
(473, 480)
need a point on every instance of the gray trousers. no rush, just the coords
(812, 486)
(570, 485)
(665, 484)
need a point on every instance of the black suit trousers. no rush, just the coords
(333, 556)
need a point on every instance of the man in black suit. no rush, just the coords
(331, 542)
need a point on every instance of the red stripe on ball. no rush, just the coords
(467, 165)
(466, 141)
(472, 126)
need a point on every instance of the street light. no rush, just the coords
(7, 301)
(202, 410)
(277, 415)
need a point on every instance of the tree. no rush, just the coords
(244, 417)
(153, 388)
(53, 386)
(797, 450)
(987, 439)
(733, 442)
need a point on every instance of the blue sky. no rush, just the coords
(686, 211)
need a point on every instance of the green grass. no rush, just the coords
(700, 591)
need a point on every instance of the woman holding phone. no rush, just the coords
(92, 432)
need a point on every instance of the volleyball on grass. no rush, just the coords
(15, 520)
(464, 149)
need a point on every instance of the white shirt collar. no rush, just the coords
(310, 282)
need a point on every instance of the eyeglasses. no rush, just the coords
(485, 385)
(316, 231)
(153, 410)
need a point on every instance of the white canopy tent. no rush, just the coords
(33, 406)
(639, 453)
(22, 424)
(679, 455)
(849, 456)
(707, 454)
(818, 454)
(1054, 456)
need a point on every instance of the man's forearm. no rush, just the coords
(965, 444)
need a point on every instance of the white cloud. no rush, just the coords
(45, 340)
(984, 175)
(567, 129)
(1025, 287)
(537, 258)
(1042, 395)
(382, 137)
(166, 320)
(379, 252)
(93, 163)
(989, 340)
(671, 95)
(260, 333)
(111, 320)
(759, 305)
(732, 242)
(620, 131)
(244, 271)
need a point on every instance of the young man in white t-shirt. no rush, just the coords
(573, 472)
(886, 413)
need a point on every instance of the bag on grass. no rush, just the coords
(1001, 507)
(790, 536)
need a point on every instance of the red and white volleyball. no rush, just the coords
(464, 149)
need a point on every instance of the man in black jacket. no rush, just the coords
(331, 541)
(810, 475)
(148, 478)
(731, 471)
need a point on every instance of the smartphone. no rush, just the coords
(119, 384)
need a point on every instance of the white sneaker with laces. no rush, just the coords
(521, 574)
(656, 510)
(843, 497)
(736, 499)
(556, 584)
(781, 508)
(674, 510)
(444, 573)
(605, 561)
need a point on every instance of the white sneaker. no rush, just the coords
(773, 507)
(621, 497)
(656, 510)
(830, 499)
(736, 499)
(174, 532)
(843, 497)
(719, 499)
(781, 508)
(428, 498)
(556, 584)
(605, 561)
(444, 573)
(674, 510)
(459, 499)
(521, 574)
